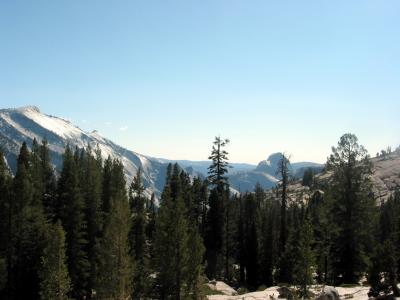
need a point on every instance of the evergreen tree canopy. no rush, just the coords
(137, 236)
(219, 165)
(55, 282)
(178, 240)
(353, 208)
(70, 210)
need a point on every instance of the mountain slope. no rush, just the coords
(266, 173)
(26, 123)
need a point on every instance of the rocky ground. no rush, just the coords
(385, 179)
(272, 293)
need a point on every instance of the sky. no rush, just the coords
(164, 77)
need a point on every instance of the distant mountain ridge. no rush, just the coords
(26, 123)
(266, 173)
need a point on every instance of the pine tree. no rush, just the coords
(283, 172)
(55, 282)
(152, 213)
(91, 188)
(107, 186)
(48, 178)
(114, 280)
(5, 204)
(177, 238)
(325, 229)
(193, 202)
(27, 228)
(3, 275)
(353, 208)
(70, 210)
(194, 268)
(269, 241)
(251, 240)
(308, 177)
(384, 267)
(220, 165)
(241, 253)
(214, 239)
(217, 260)
(230, 232)
(137, 236)
(288, 258)
(171, 241)
(43, 177)
(383, 272)
(200, 199)
(305, 260)
(137, 205)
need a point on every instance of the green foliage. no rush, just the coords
(137, 236)
(305, 259)
(194, 268)
(205, 291)
(284, 173)
(5, 205)
(242, 290)
(70, 210)
(171, 241)
(91, 187)
(308, 178)
(383, 272)
(219, 166)
(3, 273)
(251, 240)
(353, 208)
(119, 245)
(384, 268)
(55, 282)
(175, 239)
(217, 255)
(26, 231)
(349, 285)
(114, 280)
(269, 235)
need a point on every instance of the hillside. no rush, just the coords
(26, 123)
(385, 179)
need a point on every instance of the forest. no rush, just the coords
(86, 233)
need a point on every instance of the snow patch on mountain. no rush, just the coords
(27, 123)
(59, 126)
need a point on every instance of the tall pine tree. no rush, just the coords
(305, 260)
(177, 238)
(115, 266)
(5, 226)
(353, 208)
(55, 282)
(137, 235)
(283, 172)
(216, 217)
(70, 210)
(27, 229)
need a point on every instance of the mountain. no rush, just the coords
(266, 173)
(385, 180)
(270, 166)
(26, 123)
(386, 174)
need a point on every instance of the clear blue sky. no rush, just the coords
(164, 77)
